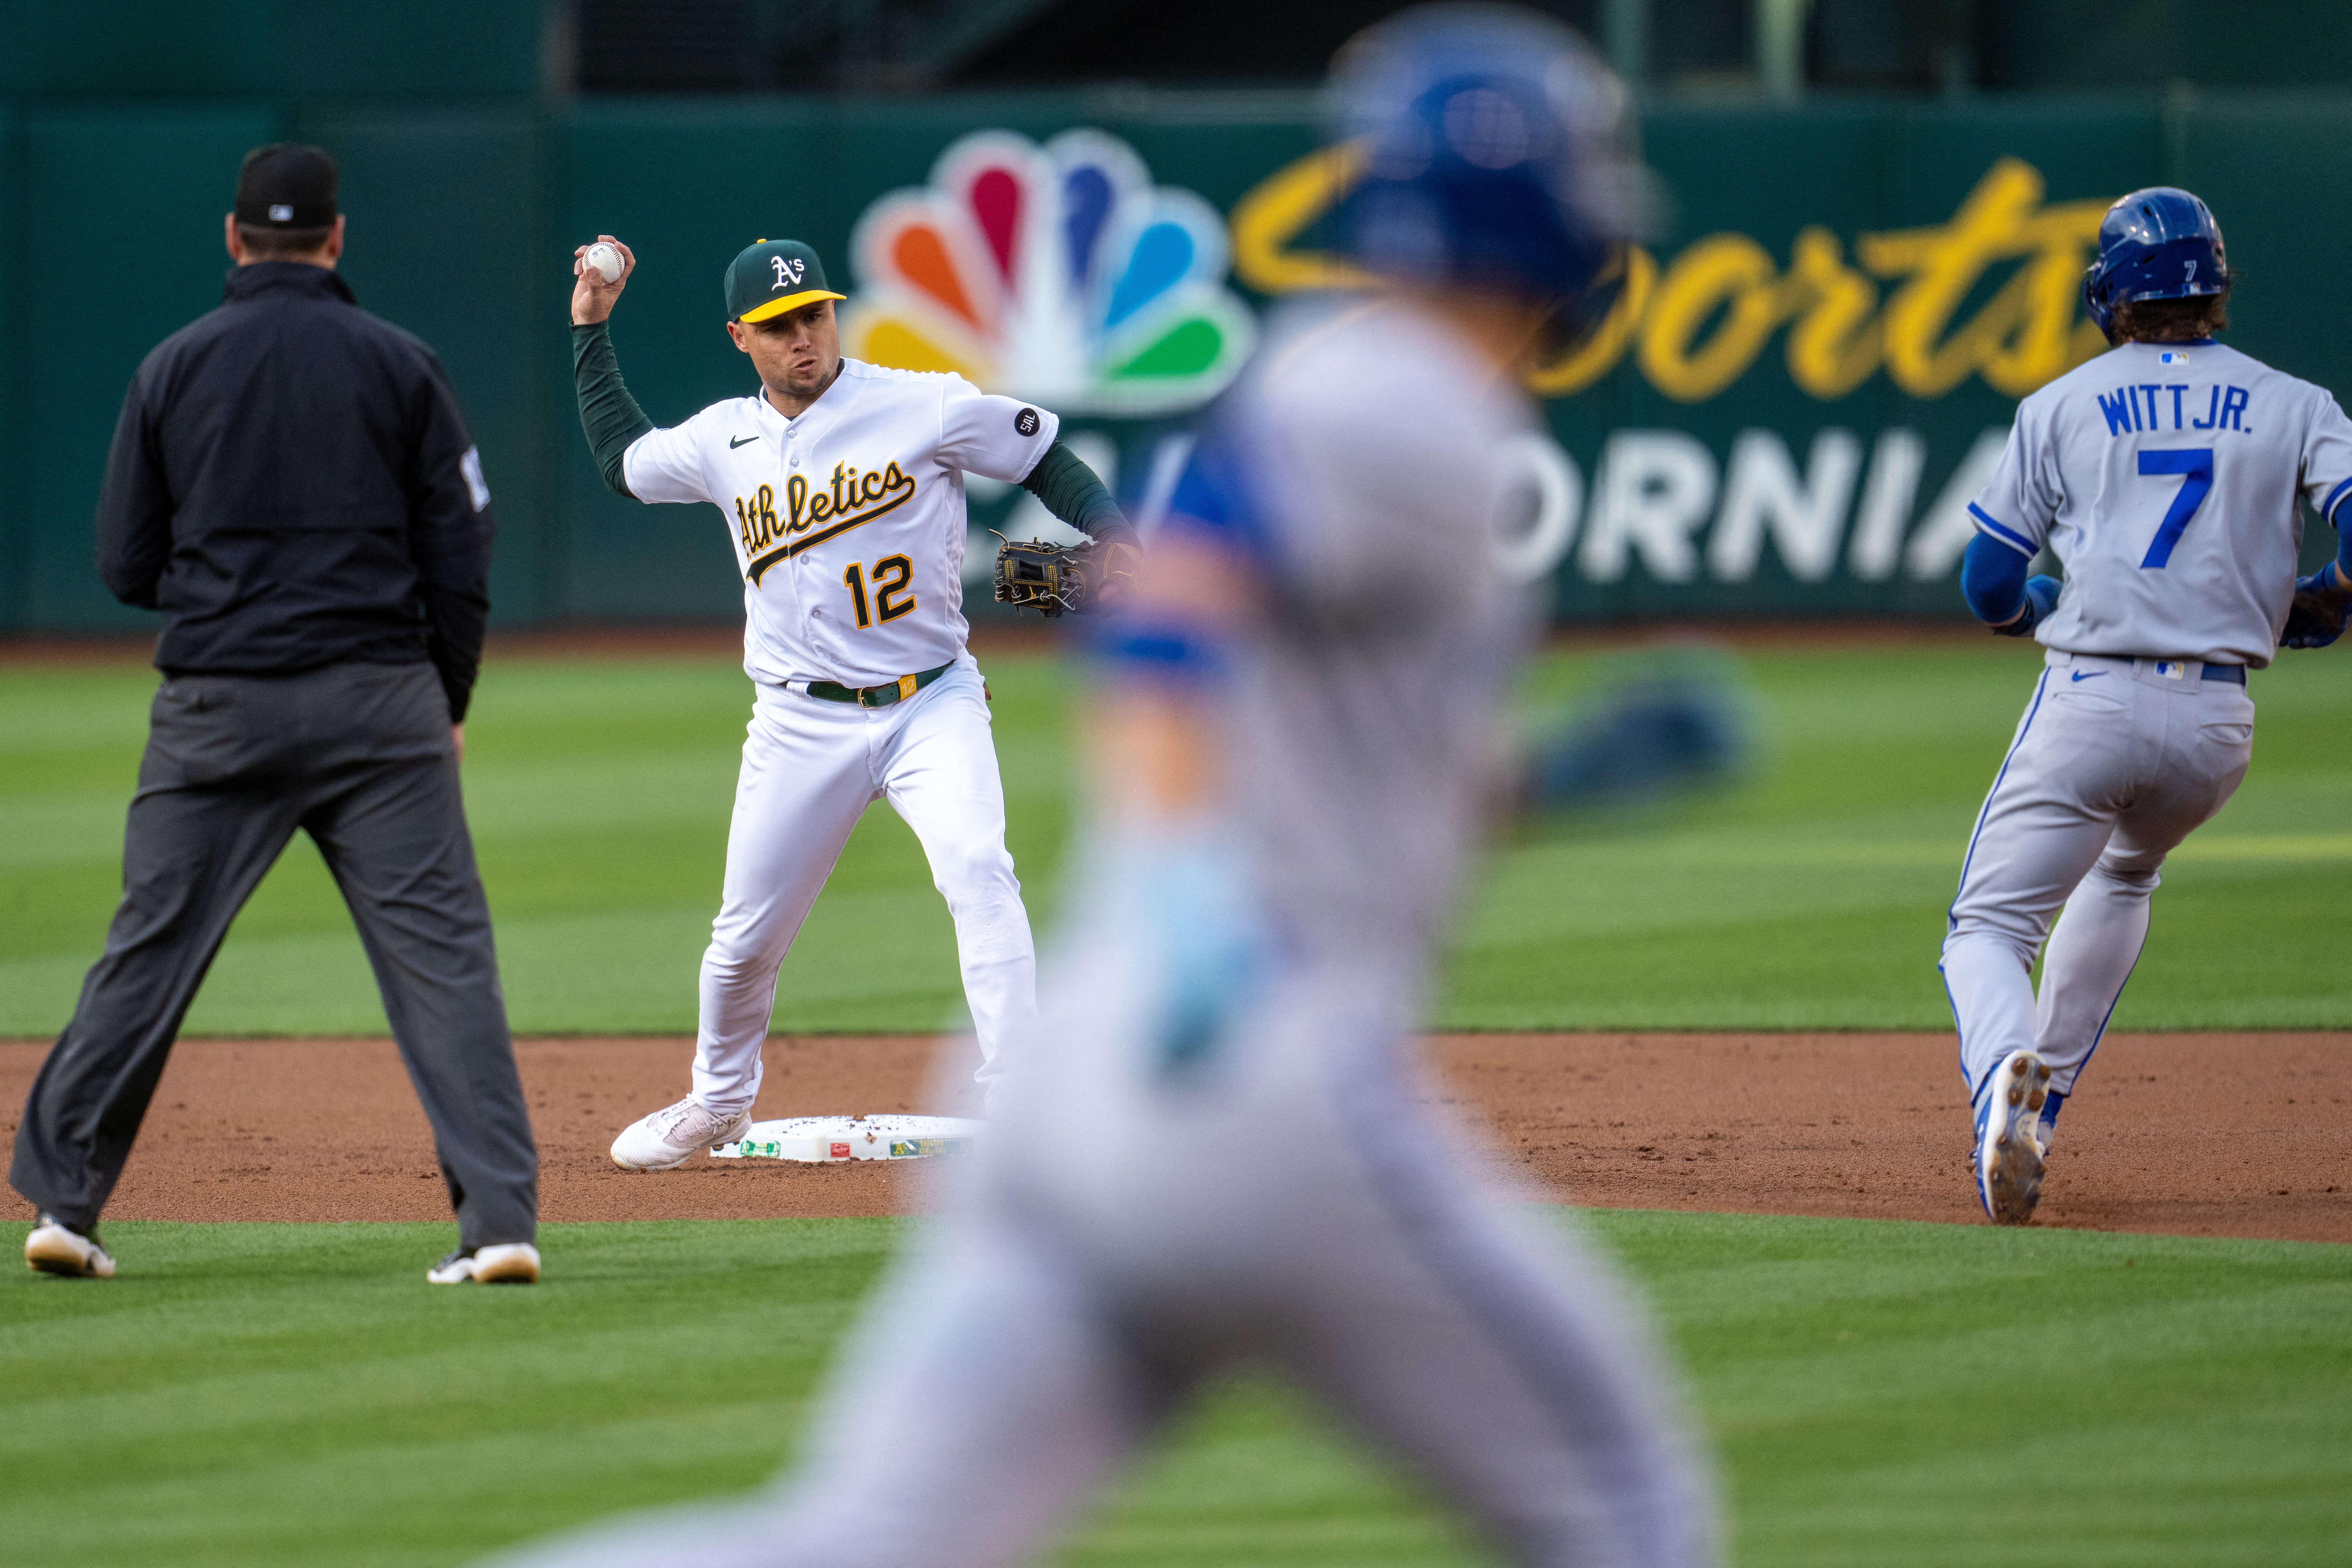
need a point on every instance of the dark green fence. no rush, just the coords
(1778, 420)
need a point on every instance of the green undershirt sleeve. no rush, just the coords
(1072, 492)
(609, 416)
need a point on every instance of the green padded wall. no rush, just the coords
(120, 246)
(14, 389)
(444, 238)
(463, 216)
(211, 48)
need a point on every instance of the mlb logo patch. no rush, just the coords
(2172, 356)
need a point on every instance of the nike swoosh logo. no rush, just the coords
(735, 441)
(2092, 676)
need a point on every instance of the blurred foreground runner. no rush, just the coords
(1220, 1159)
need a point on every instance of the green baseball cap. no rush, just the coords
(774, 276)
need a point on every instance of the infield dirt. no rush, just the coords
(2241, 1135)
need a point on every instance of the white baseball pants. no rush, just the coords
(2116, 761)
(810, 767)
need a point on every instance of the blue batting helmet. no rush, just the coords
(2157, 244)
(1496, 151)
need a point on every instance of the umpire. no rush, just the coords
(291, 484)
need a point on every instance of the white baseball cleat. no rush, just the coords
(669, 1138)
(2009, 1139)
(53, 1248)
(500, 1263)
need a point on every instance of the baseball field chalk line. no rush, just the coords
(823, 1140)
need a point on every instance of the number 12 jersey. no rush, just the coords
(848, 521)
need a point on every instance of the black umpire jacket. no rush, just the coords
(292, 485)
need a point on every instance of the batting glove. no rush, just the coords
(2041, 598)
(1195, 901)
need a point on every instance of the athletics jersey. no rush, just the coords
(848, 522)
(2164, 476)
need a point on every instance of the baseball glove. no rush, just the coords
(2316, 617)
(1032, 575)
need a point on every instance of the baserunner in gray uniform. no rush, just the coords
(2164, 475)
(1219, 1156)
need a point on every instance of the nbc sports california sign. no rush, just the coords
(1059, 274)
(1787, 407)
(1897, 324)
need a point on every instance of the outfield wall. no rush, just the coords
(1783, 415)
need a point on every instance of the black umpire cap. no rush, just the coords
(286, 185)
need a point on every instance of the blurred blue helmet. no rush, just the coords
(1496, 151)
(2157, 244)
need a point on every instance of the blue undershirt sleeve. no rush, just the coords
(1992, 579)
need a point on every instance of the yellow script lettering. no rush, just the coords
(1698, 327)
(1728, 274)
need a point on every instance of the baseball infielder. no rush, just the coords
(841, 485)
(1221, 1158)
(2164, 475)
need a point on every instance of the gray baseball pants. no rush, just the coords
(360, 757)
(1127, 1235)
(2114, 763)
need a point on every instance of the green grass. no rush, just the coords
(600, 788)
(1876, 1393)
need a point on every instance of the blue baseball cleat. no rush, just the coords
(2010, 1142)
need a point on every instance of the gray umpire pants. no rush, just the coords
(359, 757)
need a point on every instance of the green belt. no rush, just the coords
(898, 691)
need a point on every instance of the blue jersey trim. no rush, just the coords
(1951, 920)
(2007, 536)
(1953, 1004)
(2335, 498)
(2111, 1011)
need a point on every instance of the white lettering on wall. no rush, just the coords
(1654, 489)
(1764, 495)
(1947, 528)
(1886, 508)
(1540, 508)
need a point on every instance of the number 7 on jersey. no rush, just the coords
(2195, 466)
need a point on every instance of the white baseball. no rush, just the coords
(605, 260)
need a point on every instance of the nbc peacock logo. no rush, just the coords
(1058, 274)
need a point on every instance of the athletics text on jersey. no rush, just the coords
(848, 521)
(2165, 477)
(809, 518)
